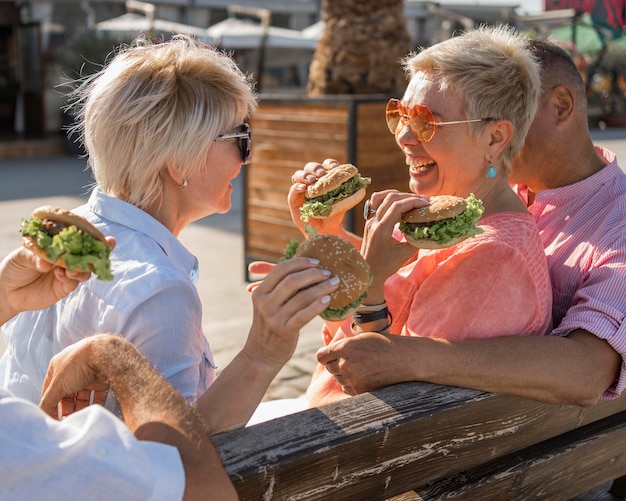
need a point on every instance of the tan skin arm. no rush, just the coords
(574, 370)
(292, 294)
(153, 410)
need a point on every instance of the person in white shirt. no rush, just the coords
(164, 128)
(162, 450)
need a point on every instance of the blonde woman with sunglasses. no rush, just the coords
(464, 115)
(164, 126)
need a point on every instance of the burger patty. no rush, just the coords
(52, 227)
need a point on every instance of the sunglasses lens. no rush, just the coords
(419, 119)
(244, 149)
(393, 115)
(245, 144)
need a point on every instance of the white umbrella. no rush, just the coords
(235, 33)
(133, 23)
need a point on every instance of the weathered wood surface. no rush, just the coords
(557, 469)
(379, 445)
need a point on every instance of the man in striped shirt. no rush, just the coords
(577, 194)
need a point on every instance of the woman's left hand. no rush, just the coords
(383, 252)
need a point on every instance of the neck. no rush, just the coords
(499, 197)
(565, 166)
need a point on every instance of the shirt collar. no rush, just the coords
(117, 211)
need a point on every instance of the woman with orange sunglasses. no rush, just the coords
(464, 116)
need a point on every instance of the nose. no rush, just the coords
(406, 136)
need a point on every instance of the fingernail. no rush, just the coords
(314, 262)
(334, 280)
(325, 300)
(325, 272)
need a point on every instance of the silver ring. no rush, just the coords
(368, 211)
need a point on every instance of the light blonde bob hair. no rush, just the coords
(156, 104)
(494, 74)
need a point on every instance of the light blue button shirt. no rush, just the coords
(152, 302)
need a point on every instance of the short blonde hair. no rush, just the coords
(154, 104)
(494, 74)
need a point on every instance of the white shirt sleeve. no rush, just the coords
(89, 455)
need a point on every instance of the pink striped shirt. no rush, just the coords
(583, 230)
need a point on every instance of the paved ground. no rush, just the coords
(217, 241)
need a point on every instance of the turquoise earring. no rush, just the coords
(491, 172)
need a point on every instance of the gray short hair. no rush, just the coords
(154, 104)
(490, 69)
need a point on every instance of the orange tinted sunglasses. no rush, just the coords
(419, 119)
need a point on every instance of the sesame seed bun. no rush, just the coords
(344, 261)
(435, 216)
(333, 178)
(441, 207)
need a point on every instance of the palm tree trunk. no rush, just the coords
(360, 49)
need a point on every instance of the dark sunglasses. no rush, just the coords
(243, 140)
(419, 119)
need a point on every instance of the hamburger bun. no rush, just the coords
(428, 244)
(339, 189)
(54, 219)
(440, 209)
(344, 261)
(345, 203)
(333, 178)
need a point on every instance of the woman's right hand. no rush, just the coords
(292, 294)
(303, 178)
(383, 252)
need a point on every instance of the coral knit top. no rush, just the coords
(494, 284)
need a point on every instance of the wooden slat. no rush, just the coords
(382, 444)
(556, 469)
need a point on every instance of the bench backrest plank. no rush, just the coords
(559, 468)
(384, 443)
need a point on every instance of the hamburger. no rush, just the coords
(445, 222)
(339, 189)
(67, 240)
(344, 261)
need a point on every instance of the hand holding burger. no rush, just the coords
(67, 240)
(345, 262)
(337, 190)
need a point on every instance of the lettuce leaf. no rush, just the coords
(445, 230)
(77, 249)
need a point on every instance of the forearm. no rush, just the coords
(233, 397)
(155, 411)
(561, 370)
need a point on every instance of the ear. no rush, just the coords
(501, 133)
(563, 102)
(172, 173)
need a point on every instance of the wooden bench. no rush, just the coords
(418, 441)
